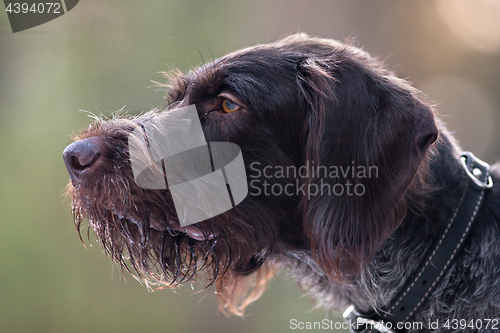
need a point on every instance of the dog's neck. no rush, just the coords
(403, 252)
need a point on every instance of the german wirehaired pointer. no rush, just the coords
(355, 189)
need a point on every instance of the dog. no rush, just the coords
(394, 176)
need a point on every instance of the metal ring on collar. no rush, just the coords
(476, 173)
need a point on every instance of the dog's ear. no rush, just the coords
(365, 138)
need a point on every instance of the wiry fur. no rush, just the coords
(303, 100)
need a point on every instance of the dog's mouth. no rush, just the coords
(149, 221)
(173, 227)
(193, 232)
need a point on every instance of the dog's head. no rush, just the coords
(359, 134)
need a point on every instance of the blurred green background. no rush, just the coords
(101, 56)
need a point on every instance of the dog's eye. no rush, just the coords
(229, 106)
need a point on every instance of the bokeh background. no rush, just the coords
(101, 56)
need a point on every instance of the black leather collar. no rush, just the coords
(416, 290)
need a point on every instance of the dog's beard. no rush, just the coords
(137, 232)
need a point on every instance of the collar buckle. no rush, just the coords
(477, 170)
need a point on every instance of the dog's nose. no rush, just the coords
(81, 156)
